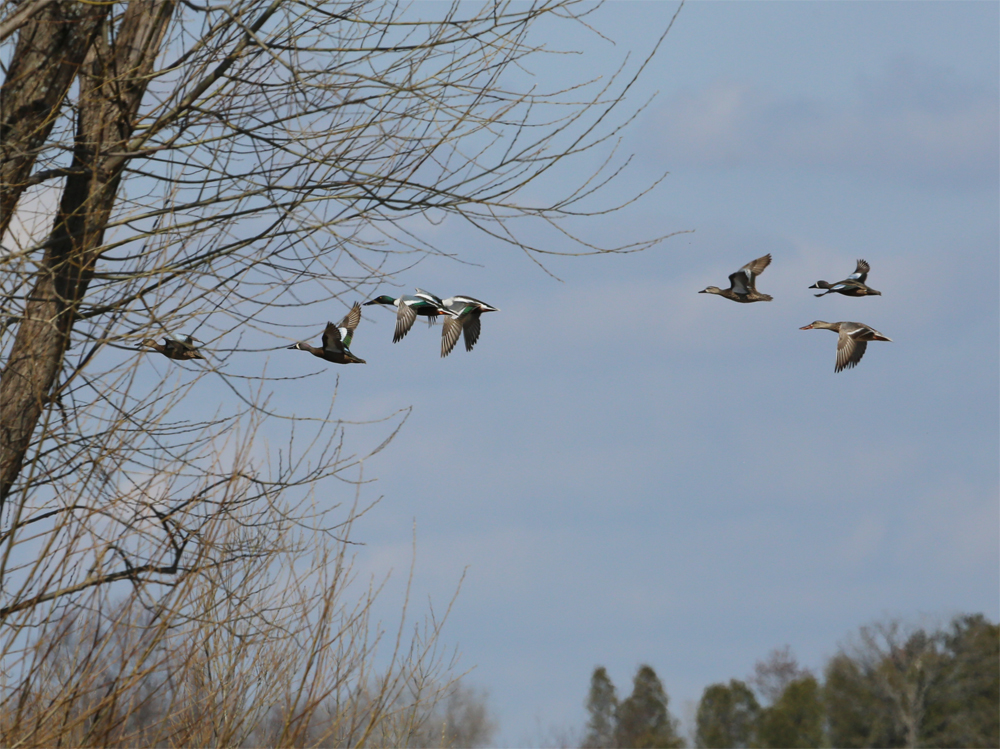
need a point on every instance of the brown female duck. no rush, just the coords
(336, 340)
(853, 285)
(180, 349)
(743, 283)
(853, 341)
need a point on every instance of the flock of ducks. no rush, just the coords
(853, 336)
(461, 315)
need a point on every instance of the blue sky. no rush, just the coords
(635, 473)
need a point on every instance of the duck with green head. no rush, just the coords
(408, 306)
(466, 312)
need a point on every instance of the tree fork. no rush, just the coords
(51, 46)
(112, 84)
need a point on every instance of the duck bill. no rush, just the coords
(807, 327)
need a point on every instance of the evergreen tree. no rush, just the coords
(602, 705)
(643, 719)
(795, 720)
(963, 699)
(857, 716)
(727, 716)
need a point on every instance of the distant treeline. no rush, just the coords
(889, 686)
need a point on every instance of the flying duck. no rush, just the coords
(853, 341)
(743, 283)
(408, 307)
(337, 340)
(174, 347)
(466, 312)
(853, 285)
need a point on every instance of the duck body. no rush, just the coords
(174, 347)
(408, 306)
(852, 341)
(465, 312)
(337, 340)
(743, 283)
(853, 285)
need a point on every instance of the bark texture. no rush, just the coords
(113, 80)
(50, 49)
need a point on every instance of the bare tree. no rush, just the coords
(777, 671)
(177, 165)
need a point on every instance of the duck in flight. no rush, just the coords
(743, 283)
(337, 340)
(408, 306)
(853, 285)
(174, 347)
(465, 311)
(853, 340)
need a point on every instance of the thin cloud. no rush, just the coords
(910, 121)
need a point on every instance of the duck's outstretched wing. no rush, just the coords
(471, 326)
(349, 324)
(739, 282)
(756, 267)
(352, 318)
(429, 297)
(861, 273)
(331, 339)
(742, 281)
(405, 316)
(450, 332)
(849, 349)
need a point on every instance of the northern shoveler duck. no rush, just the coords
(408, 307)
(743, 283)
(174, 347)
(337, 340)
(466, 311)
(853, 341)
(853, 285)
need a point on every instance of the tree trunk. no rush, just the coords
(50, 49)
(113, 81)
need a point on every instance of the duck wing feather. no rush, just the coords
(756, 267)
(861, 273)
(471, 326)
(405, 316)
(740, 282)
(331, 339)
(851, 346)
(450, 332)
(349, 324)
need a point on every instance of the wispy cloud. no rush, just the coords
(911, 121)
